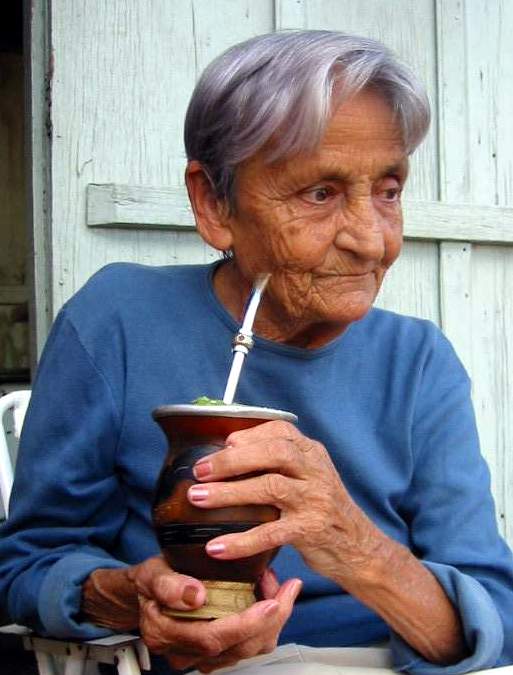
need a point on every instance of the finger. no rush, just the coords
(271, 453)
(164, 634)
(270, 488)
(268, 584)
(263, 643)
(244, 544)
(289, 592)
(237, 628)
(155, 579)
(181, 662)
(271, 428)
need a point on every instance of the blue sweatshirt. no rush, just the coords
(388, 398)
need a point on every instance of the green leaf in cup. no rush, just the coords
(205, 400)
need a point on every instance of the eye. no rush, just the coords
(319, 194)
(392, 194)
(390, 190)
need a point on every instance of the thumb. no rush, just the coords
(155, 580)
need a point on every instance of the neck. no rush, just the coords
(272, 322)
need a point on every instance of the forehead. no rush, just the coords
(362, 137)
(363, 121)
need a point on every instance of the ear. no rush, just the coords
(209, 212)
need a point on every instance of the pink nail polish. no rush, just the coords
(198, 493)
(215, 549)
(202, 469)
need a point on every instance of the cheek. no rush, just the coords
(304, 243)
(393, 243)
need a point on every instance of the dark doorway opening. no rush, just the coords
(14, 241)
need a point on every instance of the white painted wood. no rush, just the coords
(455, 297)
(123, 73)
(411, 285)
(290, 14)
(492, 359)
(475, 57)
(38, 67)
(458, 222)
(475, 107)
(134, 206)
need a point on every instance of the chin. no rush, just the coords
(351, 310)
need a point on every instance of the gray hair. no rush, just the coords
(283, 86)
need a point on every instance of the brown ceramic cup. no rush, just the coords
(195, 431)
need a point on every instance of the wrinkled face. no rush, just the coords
(327, 225)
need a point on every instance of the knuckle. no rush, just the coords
(153, 643)
(233, 438)
(311, 446)
(270, 537)
(269, 646)
(245, 650)
(164, 587)
(284, 450)
(210, 645)
(276, 487)
(286, 429)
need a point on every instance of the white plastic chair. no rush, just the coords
(17, 402)
(127, 652)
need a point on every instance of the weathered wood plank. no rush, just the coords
(455, 297)
(123, 74)
(144, 207)
(38, 67)
(411, 285)
(475, 58)
(289, 14)
(459, 222)
(135, 206)
(492, 352)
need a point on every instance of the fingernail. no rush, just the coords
(202, 468)
(296, 588)
(215, 549)
(271, 608)
(198, 493)
(189, 595)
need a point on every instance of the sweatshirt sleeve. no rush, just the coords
(67, 505)
(451, 515)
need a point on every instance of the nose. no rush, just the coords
(361, 230)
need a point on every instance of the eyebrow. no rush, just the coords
(393, 169)
(400, 168)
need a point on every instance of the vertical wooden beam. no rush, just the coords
(38, 131)
(455, 297)
(453, 134)
(289, 14)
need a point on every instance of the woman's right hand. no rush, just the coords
(207, 645)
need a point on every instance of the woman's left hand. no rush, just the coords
(296, 475)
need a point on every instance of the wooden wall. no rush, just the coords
(123, 72)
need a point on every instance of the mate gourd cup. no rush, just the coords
(195, 431)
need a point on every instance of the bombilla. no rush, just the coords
(243, 341)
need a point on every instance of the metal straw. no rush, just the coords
(243, 341)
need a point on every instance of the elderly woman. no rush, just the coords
(298, 148)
